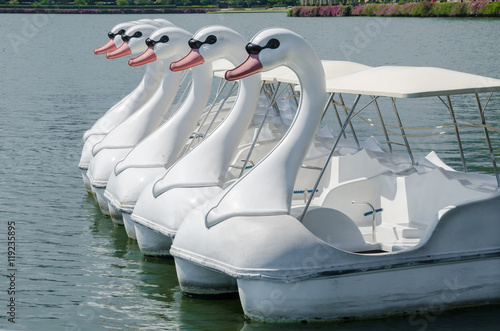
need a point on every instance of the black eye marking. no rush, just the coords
(137, 34)
(150, 42)
(196, 44)
(111, 35)
(256, 49)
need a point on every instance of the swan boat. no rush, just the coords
(158, 151)
(126, 106)
(155, 154)
(121, 140)
(390, 243)
(158, 215)
(195, 177)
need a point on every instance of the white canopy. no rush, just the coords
(285, 75)
(332, 69)
(411, 82)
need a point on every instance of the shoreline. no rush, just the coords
(7, 9)
(425, 9)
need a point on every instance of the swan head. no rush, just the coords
(163, 43)
(133, 41)
(115, 38)
(212, 43)
(269, 49)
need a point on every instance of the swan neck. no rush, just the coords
(153, 74)
(267, 189)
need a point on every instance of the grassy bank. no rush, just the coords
(412, 9)
(110, 9)
(106, 9)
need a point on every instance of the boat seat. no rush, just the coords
(409, 203)
(335, 228)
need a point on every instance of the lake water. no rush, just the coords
(75, 270)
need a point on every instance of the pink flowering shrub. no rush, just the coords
(309, 11)
(410, 9)
(331, 11)
(392, 10)
(476, 8)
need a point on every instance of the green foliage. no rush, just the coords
(143, 2)
(493, 8)
(345, 11)
(79, 3)
(443, 10)
(14, 2)
(459, 9)
(422, 9)
(122, 3)
(162, 2)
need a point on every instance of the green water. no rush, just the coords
(75, 270)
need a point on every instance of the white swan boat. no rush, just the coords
(159, 217)
(196, 176)
(159, 150)
(121, 140)
(390, 243)
(159, 214)
(126, 106)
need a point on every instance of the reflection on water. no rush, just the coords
(78, 271)
(161, 304)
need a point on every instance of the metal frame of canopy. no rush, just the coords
(409, 82)
(270, 87)
(274, 78)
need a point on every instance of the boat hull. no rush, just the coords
(98, 193)
(86, 181)
(115, 214)
(129, 226)
(202, 282)
(406, 290)
(152, 243)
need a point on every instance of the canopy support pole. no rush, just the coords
(330, 100)
(268, 91)
(181, 99)
(197, 134)
(294, 95)
(231, 91)
(408, 149)
(222, 85)
(457, 134)
(350, 124)
(490, 148)
(383, 124)
(254, 142)
(347, 121)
